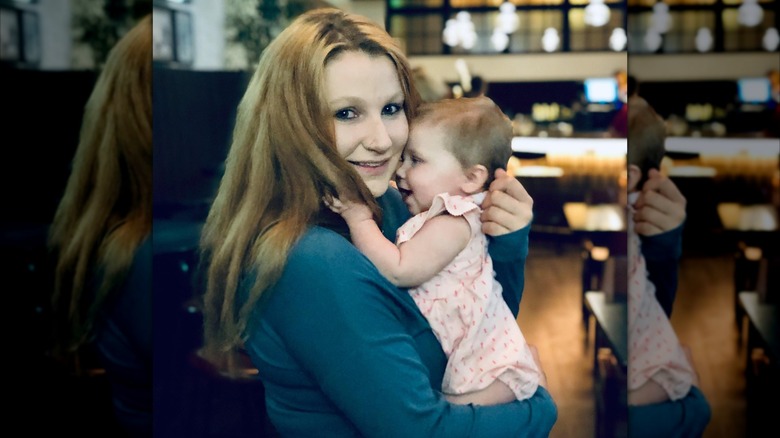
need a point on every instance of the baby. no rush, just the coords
(658, 369)
(441, 253)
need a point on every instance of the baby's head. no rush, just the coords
(646, 137)
(475, 131)
(454, 147)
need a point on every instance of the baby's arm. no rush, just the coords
(415, 261)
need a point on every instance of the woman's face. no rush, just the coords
(366, 102)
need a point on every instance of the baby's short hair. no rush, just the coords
(646, 137)
(476, 131)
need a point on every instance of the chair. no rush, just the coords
(611, 395)
(610, 362)
(603, 271)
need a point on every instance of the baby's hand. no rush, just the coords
(352, 212)
(334, 204)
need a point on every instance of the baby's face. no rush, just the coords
(428, 168)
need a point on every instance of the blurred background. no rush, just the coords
(710, 68)
(51, 53)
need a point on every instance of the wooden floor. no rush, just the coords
(703, 317)
(551, 319)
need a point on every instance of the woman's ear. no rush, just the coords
(634, 175)
(476, 176)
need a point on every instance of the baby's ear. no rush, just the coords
(476, 176)
(634, 176)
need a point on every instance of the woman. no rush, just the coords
(100, 233)
(341, 351)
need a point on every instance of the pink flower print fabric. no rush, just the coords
(465, 308)
(654, 349)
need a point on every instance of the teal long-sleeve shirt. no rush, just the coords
(344, 353)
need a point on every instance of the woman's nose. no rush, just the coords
(377, 137)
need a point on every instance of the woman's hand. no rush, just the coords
(660, 207)
(507, 206)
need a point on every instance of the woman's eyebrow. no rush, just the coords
(357, 100)
(345, 100)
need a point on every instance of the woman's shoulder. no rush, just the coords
(322, 257)
(318, 240)
(323, 250)
(325, 270)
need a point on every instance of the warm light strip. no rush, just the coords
(753, 147)
(602, 147)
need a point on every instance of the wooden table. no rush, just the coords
(595, 217)
(610, 389)
(763, 324)
(737, 217)
(611, 324)
(762, 373)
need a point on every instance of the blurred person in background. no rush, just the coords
(100, 236)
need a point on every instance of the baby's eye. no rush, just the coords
(345, 114)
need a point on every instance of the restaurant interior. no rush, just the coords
(559, 69)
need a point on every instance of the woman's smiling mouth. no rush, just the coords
(371, 167)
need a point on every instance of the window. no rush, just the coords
(20, 42)
(172, 35)
(420, 25)
(695, 19)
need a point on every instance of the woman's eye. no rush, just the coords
(345, 114)
(392, 109)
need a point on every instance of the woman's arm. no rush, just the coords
(660, 215)
(662, 257)
(350, 334)
(506, 218)
(509, 253)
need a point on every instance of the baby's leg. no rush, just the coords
(494, 394)
(649, 393)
